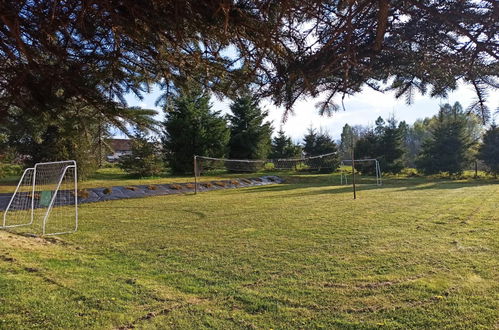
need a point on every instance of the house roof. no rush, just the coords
(120, 144)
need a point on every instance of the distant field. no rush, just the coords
(412, 253)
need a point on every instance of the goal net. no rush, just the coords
(209, 165)
(367, 165)
(45, 199)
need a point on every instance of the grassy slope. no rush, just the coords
(303, 254)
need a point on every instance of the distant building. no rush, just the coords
(119, 147)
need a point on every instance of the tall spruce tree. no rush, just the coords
(192, 128)
(250, 134)
(384, 143)
(320, 143)
(283, 147)
(489, 150)
(391, 147)
(448, 148)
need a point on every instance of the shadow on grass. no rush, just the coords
(403, 184)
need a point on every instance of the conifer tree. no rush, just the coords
(383, 143)
(489, 150)
(144, 159)
(250, 134)
(320, 143)
(448, 148)
(192, 128)
(283, 147)
(391, 147)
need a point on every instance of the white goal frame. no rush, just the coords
(343, 177)
(64, 167)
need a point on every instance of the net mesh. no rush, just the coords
(326, 162)
(46, 199)
(360, 168)
(18, 212)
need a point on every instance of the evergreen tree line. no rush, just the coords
(191, 127)
(449, 142)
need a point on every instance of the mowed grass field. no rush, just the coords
(412, 253)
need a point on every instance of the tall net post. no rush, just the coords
(195, 175)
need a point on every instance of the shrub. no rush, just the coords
(82, 193)
(207, 185)
(269, 166)
(132, 188)
(152, 187)
(7, 170)
(144, 159)
(107, 191)
(411, 172)
(176, 187)
(190, 186)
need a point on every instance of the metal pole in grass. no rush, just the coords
(353, 172)
(195, 175)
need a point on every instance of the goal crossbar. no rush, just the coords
(376, 164)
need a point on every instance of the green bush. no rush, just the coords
(8, 170)
(144, 159)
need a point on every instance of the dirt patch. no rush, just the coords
(29, 242)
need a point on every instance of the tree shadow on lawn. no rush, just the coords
(394, 184)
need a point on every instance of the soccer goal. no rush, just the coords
(45, 199)
(372, 162)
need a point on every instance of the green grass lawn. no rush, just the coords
(413, 253)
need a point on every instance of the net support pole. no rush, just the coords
(195, 175)
(76, 196)
(353, 172)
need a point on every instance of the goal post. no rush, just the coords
(374, 161)
(46, 199)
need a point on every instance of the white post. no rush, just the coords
(195, 175)
(76, 196)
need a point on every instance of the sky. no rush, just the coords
(360, 109)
